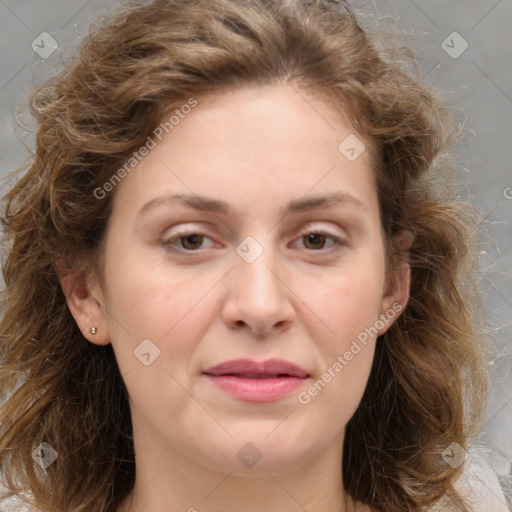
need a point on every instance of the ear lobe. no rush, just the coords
(396, 296)
(84, 299)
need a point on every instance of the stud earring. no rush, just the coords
(93, 330)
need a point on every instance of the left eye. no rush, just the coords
(192, 241)
(316, 238)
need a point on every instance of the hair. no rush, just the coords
(427, 385)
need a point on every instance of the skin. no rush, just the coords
(255, 148)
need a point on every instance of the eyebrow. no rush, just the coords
(202, 203)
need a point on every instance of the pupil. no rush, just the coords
(315, 238)
(196, 240)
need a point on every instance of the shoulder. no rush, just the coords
(11, 504)
(479, 486)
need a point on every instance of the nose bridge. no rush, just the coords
(253, 275)
(259, 298)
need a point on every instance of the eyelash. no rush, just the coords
(169, 243)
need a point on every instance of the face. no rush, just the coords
(246, 277)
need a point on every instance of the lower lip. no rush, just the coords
(257, 390)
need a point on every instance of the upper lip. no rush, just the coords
(248, 367)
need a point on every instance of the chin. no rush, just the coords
(257, 454)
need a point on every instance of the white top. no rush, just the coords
(479, 487)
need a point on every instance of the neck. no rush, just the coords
(177, 483)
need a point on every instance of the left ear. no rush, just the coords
(396, 295)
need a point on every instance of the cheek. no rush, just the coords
(349, 301)
(148, 300)
(346, 356)
(147, 303)
(349, 307)
(144, 296)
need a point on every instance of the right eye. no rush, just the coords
(190, 241)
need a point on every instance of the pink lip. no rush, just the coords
(257, 382)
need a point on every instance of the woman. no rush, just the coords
(233, 281)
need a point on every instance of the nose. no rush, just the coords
(259, 296)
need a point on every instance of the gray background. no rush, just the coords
(479, 81)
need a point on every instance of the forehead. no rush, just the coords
(254, 143)
(266, 116)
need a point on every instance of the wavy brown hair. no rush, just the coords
(427, 386)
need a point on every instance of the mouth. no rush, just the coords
(251, 376)
(248, 369)
(251, 381)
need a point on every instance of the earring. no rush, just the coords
(93, 330)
